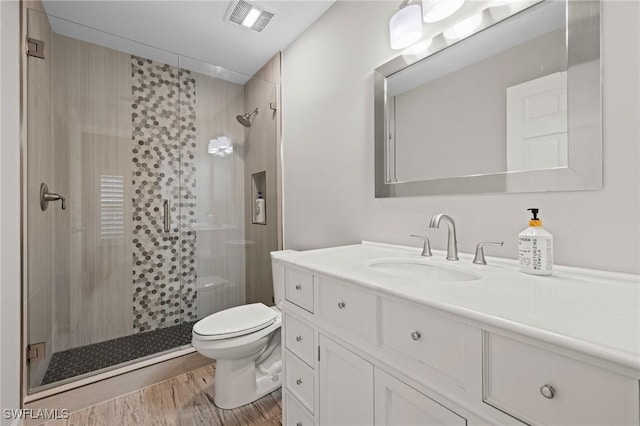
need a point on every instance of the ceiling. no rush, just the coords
(160, 29)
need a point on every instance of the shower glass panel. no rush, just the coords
(212, 182)
(225, 256)
(152, 236)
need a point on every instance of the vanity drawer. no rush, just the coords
(299, 380)
(348, 308)
(299, 288)
(296, 414)
(424, 336)
(298, 339)
(543, 387)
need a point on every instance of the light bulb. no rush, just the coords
(437, 10)
(405, 27)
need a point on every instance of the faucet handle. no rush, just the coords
(479, 257)
(426, 247)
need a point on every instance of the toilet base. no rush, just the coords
(240, 382)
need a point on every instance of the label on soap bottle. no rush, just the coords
(535, 255)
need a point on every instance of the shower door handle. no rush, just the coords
(167, 217)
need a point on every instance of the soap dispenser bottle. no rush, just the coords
(535, 248)
(259, 209)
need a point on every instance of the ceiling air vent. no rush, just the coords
(247, 15)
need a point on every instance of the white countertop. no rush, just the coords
(591, 311)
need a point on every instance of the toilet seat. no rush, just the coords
(234, 322)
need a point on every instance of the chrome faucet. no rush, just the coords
(452, 244)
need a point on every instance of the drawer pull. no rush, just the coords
(415, 336)
(298, 287)
(298, 382)
(548, 391)
(299, 424)
(298, 338)
(342, 305)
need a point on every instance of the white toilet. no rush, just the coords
(245, 342)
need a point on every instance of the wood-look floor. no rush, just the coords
(184, 400)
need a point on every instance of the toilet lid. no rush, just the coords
(236, 321)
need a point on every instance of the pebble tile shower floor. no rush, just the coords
(77, 361)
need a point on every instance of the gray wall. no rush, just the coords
(328, 153)
(9, 206)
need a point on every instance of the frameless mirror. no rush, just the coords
(505, 100)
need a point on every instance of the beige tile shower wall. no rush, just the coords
(92, 131)
(220, 227)
(40, 239)
(261, 153)
(328, 152)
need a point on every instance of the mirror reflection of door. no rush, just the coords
(537, 123)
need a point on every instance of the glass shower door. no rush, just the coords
(103, 266)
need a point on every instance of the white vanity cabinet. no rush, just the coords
(357, 355)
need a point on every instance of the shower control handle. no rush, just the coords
(167, 217)
(46, 197)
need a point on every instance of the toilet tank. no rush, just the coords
(277, 271)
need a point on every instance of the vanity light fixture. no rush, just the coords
(405, 26)
(437, 10)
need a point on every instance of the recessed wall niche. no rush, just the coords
(259, 190)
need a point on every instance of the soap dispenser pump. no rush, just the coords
(535, 248)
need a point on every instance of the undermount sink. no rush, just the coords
(422, 270)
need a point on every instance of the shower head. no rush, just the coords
(245, 119)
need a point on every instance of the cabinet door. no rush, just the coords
(400, 404)
(346, 386)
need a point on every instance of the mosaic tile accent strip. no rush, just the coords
(86, 359)
(163, 283)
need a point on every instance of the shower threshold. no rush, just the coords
(86, 359)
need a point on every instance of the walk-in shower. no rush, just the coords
(146, 231)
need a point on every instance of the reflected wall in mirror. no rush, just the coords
(492, 112)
